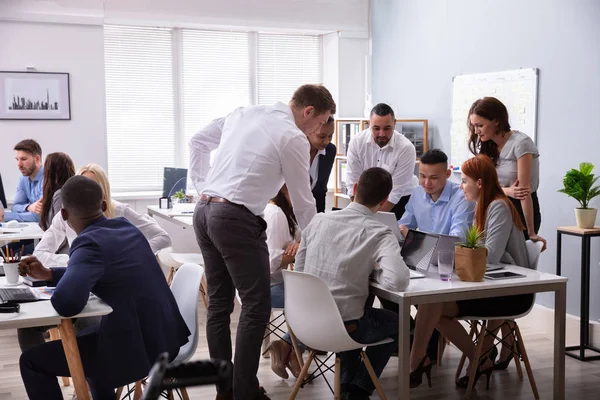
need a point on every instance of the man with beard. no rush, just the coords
(382, 146)
(27, 204)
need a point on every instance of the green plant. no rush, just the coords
(579, 184)
(473, 238)
(180, 195)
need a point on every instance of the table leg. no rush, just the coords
(560, 312)
(585, 296)
(558, 251)
(403, 348)
(69, 341)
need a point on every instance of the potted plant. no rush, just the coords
(179, 197)
(470, 256)
(579, 184)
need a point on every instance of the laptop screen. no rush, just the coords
(418, 249)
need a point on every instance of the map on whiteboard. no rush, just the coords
(517, 89)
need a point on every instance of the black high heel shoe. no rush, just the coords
(463, 382)
(501, 365)
(416, 377)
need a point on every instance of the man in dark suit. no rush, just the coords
(322, 157)
(112, 259)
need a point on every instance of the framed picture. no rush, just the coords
(34, 95)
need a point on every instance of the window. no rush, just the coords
(163, 85)
(139, 106)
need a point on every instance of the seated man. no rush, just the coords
(344, 248)
(437, 205)
(112, 259)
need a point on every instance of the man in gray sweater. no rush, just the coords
(344, 249)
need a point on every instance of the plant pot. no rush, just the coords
(470, 263)
(586, 217)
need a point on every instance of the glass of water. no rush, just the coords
(445, 264)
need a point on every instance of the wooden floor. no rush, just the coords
(582, 380)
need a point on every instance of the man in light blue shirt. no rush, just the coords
(27, 204)
(437, 205)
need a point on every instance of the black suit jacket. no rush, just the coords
(325, 167)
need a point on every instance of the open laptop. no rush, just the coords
(17, 295)
(446, 243)
(389, 220)
(417, 252)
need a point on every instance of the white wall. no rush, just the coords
(78, 50)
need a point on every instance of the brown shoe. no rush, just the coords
(278, 358)
(293, 364)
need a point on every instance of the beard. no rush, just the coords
(28, 171)
(382, 141)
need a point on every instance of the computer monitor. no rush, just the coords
(174, 180)
(2, 195)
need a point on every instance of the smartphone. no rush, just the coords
(503, 275)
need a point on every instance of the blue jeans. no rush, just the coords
(277, 301)
(376, 324)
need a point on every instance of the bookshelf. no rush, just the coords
(414, 130)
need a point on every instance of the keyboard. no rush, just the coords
(18, 295)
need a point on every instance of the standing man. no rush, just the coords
(382, 146)
(258, 150)
(322, 157)
(27, 204)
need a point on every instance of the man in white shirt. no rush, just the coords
(258, 149)
(382, 146)
(344, 248)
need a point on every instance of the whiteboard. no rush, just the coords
(517, 89)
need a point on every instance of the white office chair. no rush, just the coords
(316, 321)
(533, 254)
(173, 261)
(185, 287)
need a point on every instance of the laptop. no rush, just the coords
(389, 220)
(417, 252)
(17, 295)
(446, 243)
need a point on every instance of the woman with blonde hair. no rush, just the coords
(59, 230)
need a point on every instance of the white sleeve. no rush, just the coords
(295, 162)
(156, 236)
(53, 237)
(403, 173)
(355, 165)
(201, 144)
(278, 237)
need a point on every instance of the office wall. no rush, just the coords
(419, 45)
(78, 50)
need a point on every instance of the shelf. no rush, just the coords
(342, 195)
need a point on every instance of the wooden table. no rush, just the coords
(433, 290)
(584, 327)
(41, 313)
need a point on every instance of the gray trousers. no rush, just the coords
(233, 244)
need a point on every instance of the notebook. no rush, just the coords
(417, 252)
(389, 220)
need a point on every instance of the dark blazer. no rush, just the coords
(325, 166)
(112, 259)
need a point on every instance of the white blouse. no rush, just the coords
(278, 238)
(55, 235)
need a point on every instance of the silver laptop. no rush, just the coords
(446, 243)
(389, 220)
(417, 252)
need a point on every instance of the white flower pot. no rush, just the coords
(586, 217)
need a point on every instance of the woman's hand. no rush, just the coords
(517, 192)
(292, 249)
(537, 238)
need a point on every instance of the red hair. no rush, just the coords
(482, 168)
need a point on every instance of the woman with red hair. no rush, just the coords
(505, 243)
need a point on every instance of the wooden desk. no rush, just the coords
(41, 313)
(585, 235)
(433, 290)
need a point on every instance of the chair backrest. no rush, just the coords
(186, 290)
(533, 253)
(313, 315)
(164, 257)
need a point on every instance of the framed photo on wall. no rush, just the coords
(34, 95)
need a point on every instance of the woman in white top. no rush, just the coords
(55, 235)
(283, 238)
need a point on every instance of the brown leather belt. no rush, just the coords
(214, 199)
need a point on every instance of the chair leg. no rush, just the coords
(515, 350)
(184, 394)
(119, 393)
(461, 363)
(521, 348)
(170, 276)
(374, 378)
(337, 385)
(475, 361)
(441, 348)
(295, 346)
(267, 338)
(302, 375)
(137, 393)
(204, 292)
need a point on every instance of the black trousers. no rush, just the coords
(537, 216)
(399, 208)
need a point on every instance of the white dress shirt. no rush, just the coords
(55, 235)
(258, 149)
(397, 157)
(314, 168)
(278, 239)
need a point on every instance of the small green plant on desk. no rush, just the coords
(470, 256)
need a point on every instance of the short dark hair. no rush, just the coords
(82, 196)
(382, 110)
(29, 146)
(374, 185)
(434, 156)
(316, 96)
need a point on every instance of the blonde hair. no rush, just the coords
(102, 180)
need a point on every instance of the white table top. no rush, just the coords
(182, 214)
(27, 230)
(432, 284)
(41, 313)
